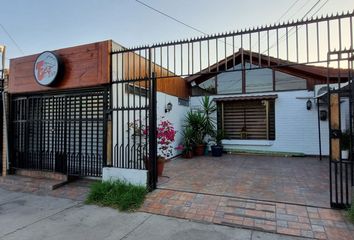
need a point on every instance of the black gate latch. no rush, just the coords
(336, 133)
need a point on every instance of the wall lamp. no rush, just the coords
(323, 115)
(308, 104)
(168, 107)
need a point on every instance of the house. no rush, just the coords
(268, 105)
(72, 109)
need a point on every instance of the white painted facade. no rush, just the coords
(133, 176)
(296, 128)
(176, 116)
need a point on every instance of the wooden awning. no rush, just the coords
(246, 98)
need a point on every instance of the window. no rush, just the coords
(249, 119)
(258, 80)
(285, 81)
(205, 88)
(183, 102)
(230, 82)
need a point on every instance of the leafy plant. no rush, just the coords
(117, 194)
(165, 137)
(196, 121)
(208, 108)
(187, 144)
(219, 136)
(350, 213)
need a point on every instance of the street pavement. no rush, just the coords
(25, 216)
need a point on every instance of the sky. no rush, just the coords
(40, 25)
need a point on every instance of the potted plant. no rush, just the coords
(196, 122)
(345, 144)
(217, 149)
(208, 108)
(165, 137)
(186, 146)
(187, 151)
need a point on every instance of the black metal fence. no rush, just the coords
(133, 112)
(306, 41)
(340, 108)
(62, 132)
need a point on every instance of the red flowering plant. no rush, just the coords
(165, 137)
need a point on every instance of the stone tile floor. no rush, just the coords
(298, 180)
(290, 219)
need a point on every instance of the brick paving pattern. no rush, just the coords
(298, 180)
(290, 219)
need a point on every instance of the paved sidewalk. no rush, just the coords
(311, 222)
(25, 216)
(76, 190)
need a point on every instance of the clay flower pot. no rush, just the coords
(188, 154)
(199, 150)
(160, 165)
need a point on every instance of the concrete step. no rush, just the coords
(41, 174)
(30, 183)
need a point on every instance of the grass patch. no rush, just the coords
(117, 194)
(350, 213)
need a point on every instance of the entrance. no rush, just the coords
(60, 132)
(301, 45)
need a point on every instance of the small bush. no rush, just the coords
(117, 194)
(350, 213)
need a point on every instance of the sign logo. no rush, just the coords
(46, 68)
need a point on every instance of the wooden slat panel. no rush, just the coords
(335, 143)
(175, 86)
(85, 66)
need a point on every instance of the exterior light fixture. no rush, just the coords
(323, 115)
(308, 104)
(168, 107)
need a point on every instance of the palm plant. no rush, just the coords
(208, 108)
(196, 121)
(187, 134)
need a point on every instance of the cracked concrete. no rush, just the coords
(31, 217)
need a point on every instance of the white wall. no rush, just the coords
(133, 176)
(176, 116)
(296, 127)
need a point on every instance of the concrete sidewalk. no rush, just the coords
(28, 216)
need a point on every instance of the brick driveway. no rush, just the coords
(298, 180)
(289, 219)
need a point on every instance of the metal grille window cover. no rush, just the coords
(62, 132)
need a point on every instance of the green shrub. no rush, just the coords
(350, 213)
(117, 194)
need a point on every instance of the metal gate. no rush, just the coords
(340, 108)
(1, 118)
(133, 113)
(60, 132)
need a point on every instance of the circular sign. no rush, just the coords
(46, 68)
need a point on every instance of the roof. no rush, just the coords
(246, 98)
(267, 61)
